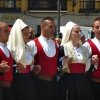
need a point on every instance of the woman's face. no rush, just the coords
(25, 33)
(75, 34)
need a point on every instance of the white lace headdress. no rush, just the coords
(66, 32)
(16, 43)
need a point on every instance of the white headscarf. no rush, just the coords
(66, 32)
(16, 42)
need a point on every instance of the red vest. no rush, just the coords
(48, 64)
(7, 76)
(95, 51)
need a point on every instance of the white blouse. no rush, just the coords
(96, 42)
(4, 49)
(87, 45)
(29, 57)
(47, 45)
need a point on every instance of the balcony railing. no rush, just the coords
(10, 6)
(46, 4)
(89, 6)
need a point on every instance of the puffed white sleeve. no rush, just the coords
(33, 46)
(89, 52)
(34, 49)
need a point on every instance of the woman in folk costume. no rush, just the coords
(75, 62)
(24, 58)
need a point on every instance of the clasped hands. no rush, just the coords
(66, 60)
(94, 60)
(4, 67)
(20, 67)
(36, 69)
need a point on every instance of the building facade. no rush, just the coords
(82, 12)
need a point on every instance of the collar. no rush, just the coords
(44, 38)
(75, 47)
(96, 39)
(2, 44)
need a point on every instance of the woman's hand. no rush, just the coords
(67, 60)
(20, 67)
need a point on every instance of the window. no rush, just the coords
(89, 4)
(9, 3)
(46, 4)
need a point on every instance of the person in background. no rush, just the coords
(6, 63)
(74, 60)
(24, 59)
(93, 47)
(58, 38)
(46, 54)
(52, 37)
(82, 38)
(10, 28)
(31, 35)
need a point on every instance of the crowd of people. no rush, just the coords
(29, 65)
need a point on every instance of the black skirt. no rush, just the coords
(25, 86)
(1, 94)
(46, 90)
(76, 85)
(9, 94)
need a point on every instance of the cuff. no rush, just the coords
(31, 67)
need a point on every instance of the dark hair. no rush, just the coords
(44, 20)
(96, 19)
(47, 18)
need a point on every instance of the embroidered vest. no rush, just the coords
(68, 50)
